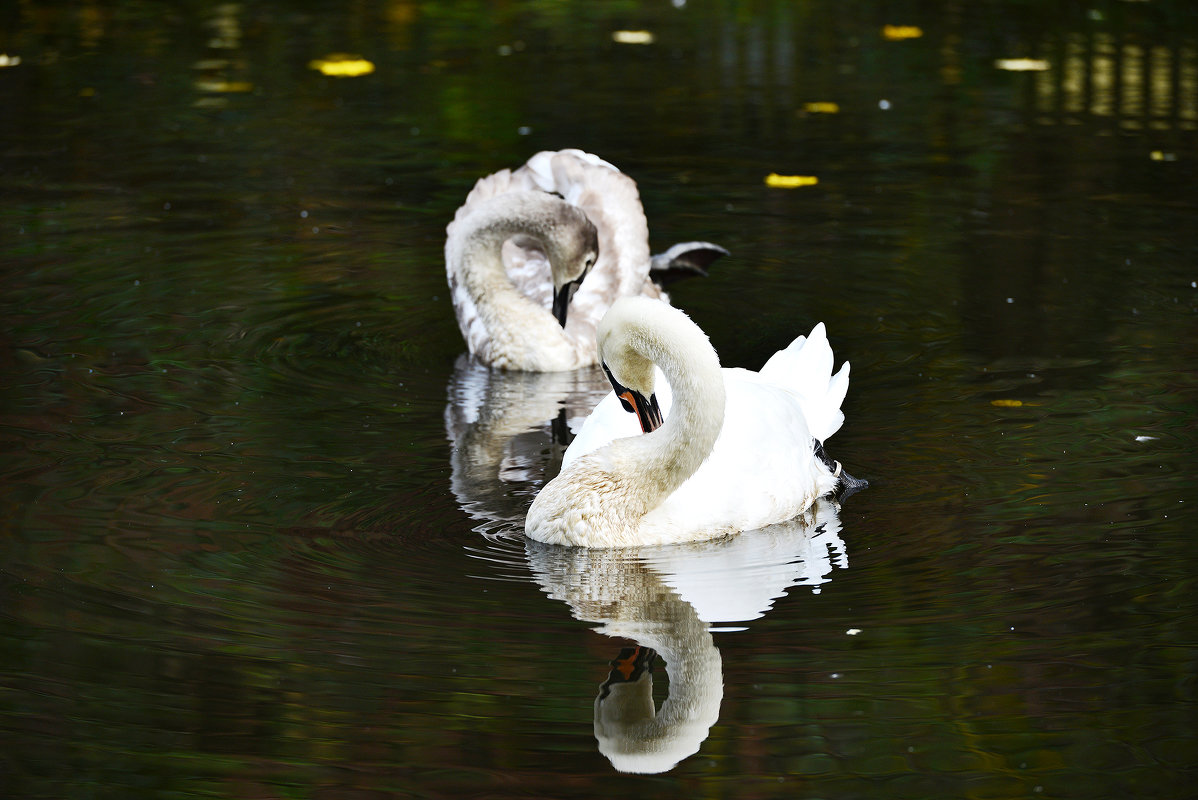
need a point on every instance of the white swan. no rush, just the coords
(520, 246)
(738, 450)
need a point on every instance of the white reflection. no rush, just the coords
(508, 431)
(664, 599)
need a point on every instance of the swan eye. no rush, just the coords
(621, 393)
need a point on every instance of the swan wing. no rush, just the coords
(805, 369)
(683, 260)
(761, 470)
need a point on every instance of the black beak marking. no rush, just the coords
(563, 296)
(648, 413)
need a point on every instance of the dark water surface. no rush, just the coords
(262, 529)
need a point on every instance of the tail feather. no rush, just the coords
(805, 369)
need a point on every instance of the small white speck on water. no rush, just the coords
(884, 105)
(1010, 300)
(304, 214)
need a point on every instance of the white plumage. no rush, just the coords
(736, 450)
(511, 246)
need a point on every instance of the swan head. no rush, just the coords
(623, 336)
(572, 248)
(638, 333)
(647, 411)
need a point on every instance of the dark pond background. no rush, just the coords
(241, 556)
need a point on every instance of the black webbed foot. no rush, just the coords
(846, 484)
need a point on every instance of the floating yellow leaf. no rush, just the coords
(1161, 155)
(340, 65)
(790, 181)
(633, 37)
(223, 87)
(896, 33)
(1006, 403)
(9, 61)
(821, 108)
(1022, 64)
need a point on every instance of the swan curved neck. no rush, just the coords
(662, 460)
(522, 334)
(634, 736)
(484, 233)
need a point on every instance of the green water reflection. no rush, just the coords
(241, 558)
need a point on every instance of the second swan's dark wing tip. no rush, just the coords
(684, 260)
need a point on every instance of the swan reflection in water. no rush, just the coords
(508, 431)
(666, 600)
